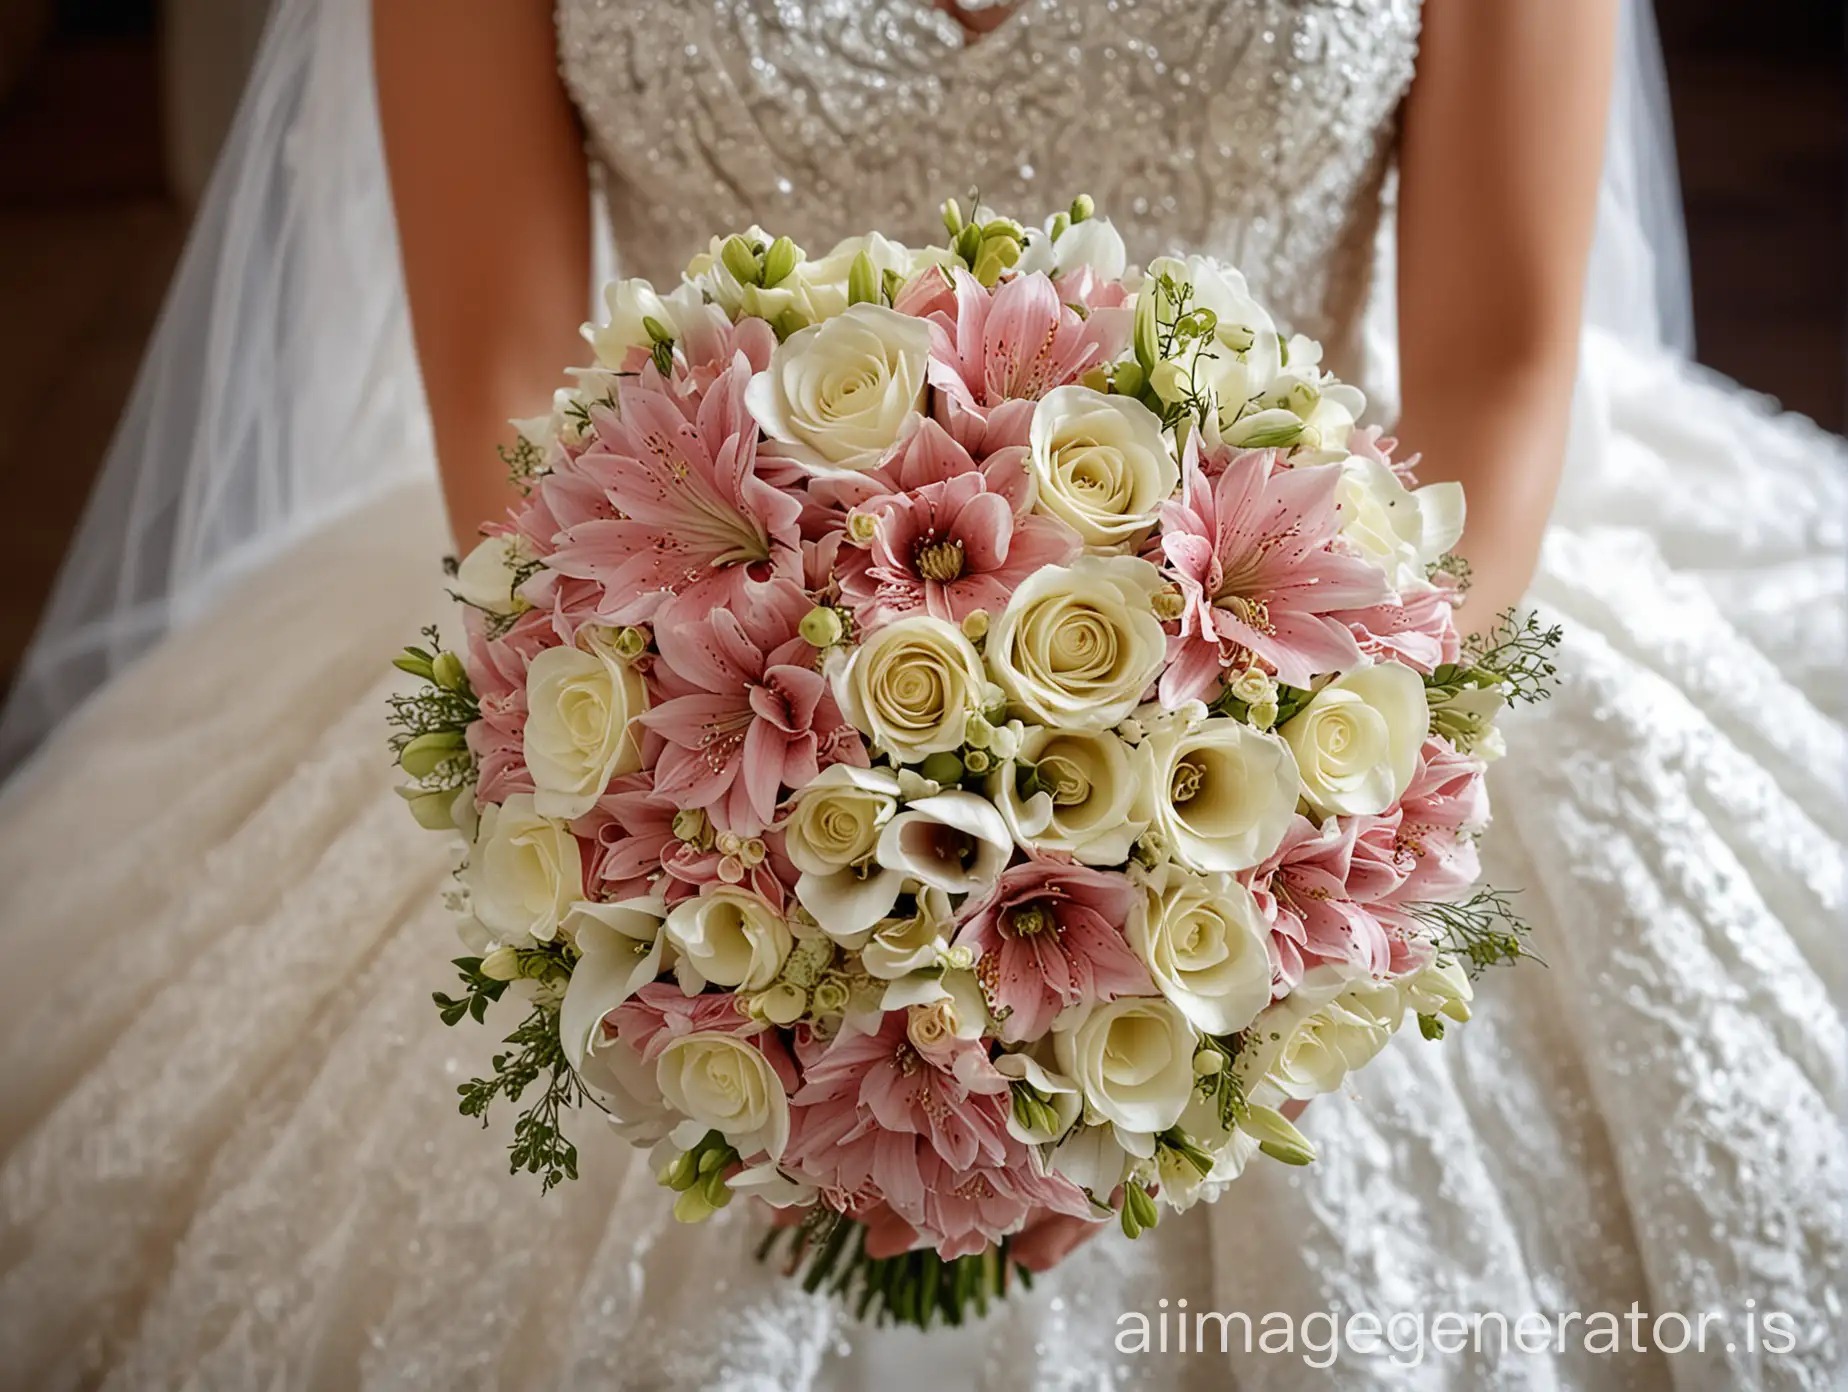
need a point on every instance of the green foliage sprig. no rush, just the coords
(1481, 932)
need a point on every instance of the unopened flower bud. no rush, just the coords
(943, 767)
(1084, 208)
(432, 810)
(821, 627)
(502, 964)
(977, 761)
(780, 261)
(690, 824)
(448, 672)
(741, 261)
(975, 625)
(1168, 604)
(1208, 1062)
(1170, 382)
(630, 643)
(861, 527)
(423, 755)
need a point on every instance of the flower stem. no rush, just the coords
(916, 1288)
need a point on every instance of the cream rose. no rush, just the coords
(1100, 464)
(1207, 944)
(727, 937)
(912, 686)
(1357, 741)
(718, 1082)
(525, 871)
(1072, 791)
(1077, 645)
(1328, 1044)
(1219, 794)
(1133, 1060)
(830, 836)
(1402, 530)
(840, 395)
(581, 709)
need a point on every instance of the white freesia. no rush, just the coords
(1078, 645)
(727, 937)
(1100, 464)
(818, 289)
(1307, 1043)
(1182, 1183)
(775, 1188)
(1219, 794)
(1303, 408)
(620, 947)
(1243, 354)
(1207, 944)
(830, 836)
(581, 730)
(1402, 530)
(629, 307)
(955, 842)
(1083, 794)
(710, 278)
(623, 1084)
(719, 1082)
(1133, 1060)
(1466, 717)
(1093, 243)
(900, 946)
(1439, 988)
(524, 873)
(1092, 1158)
(912, 686)
(486, 576)
(838, 396)
(1356, 743)
(1060, 1092)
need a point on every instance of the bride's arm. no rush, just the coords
(1500, 155)
(489, 181)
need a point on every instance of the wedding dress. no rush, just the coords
(232, 1157)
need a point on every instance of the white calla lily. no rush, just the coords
(954, 841)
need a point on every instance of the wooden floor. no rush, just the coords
(88, 237)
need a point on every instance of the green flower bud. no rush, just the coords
(952, 217)
(1083, 208)
(780, 261)
(943, 767)
(821, 627)
(1208, 1062)
(431, 809)
(448, 672)
(656, 330)
(630, 643)
(1276, 1137)
(715, 1190)
(975, 625)
(425, 754)
(1168, 604)
(682, 1172)
(741, 261)
(790, 321)
(1061, 224)
(502, 964)
(1129, 379)
(414, 662)
(692, 1207)
(969, 244)
(863, 281)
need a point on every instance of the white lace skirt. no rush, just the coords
(232, 1158)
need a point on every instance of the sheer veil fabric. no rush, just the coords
(229, 1155)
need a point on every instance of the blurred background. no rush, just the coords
(111, 112)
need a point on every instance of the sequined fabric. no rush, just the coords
(231, 1153)
(1258, 130)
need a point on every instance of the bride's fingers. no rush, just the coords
(1047, 1240)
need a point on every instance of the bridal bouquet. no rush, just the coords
(954, 736)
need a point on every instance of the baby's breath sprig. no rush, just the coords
(1517, 652)
(525, 461)
(1481, 932)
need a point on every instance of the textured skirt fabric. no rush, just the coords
(231, 1152)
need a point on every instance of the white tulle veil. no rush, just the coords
(280, 389)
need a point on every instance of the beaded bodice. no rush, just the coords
(1257, 130)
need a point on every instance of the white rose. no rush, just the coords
(720, 1083)
(486, 576)
(1100, 464)
(954, 841)
(1207, 944)
(581, 711)
(1357, 741)
(525, 871)
(1243, 354)
(1401, 530)
(1083, 794)
(831, 834)
(912, 686)
(727, 937)
(841, 395)
(621, 950)
(1219, 793)
(1133, 1060)
(1077, 645)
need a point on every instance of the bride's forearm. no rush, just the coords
(1502, 142)
(492, 197)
